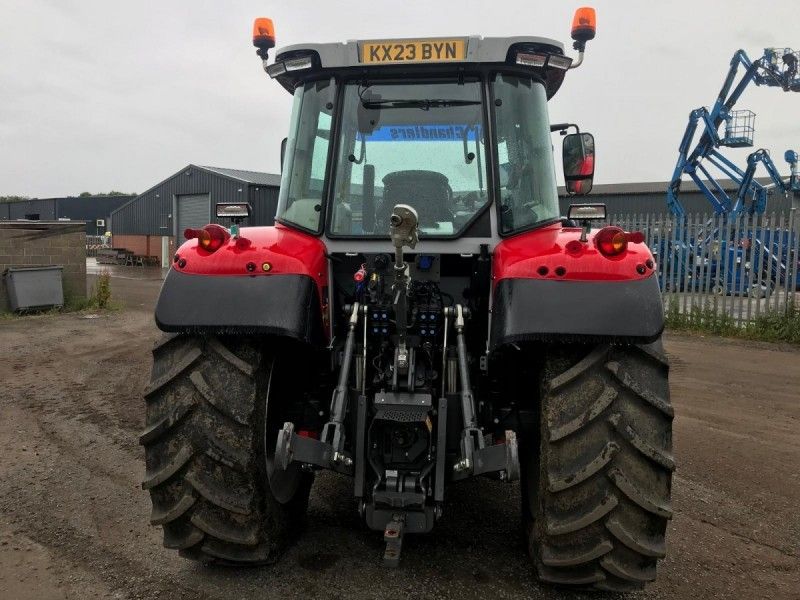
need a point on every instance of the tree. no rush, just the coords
(14, 198)
(111, 193)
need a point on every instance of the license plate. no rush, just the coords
(400, 51)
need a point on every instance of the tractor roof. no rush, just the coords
(478, 49)
(418, 55)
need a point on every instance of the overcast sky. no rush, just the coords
(98, 95)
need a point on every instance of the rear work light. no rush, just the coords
(210, 238)
(299, 63)
(531, 60)
(587, 212)
(536, 59)
(559, 62)
(233, 210)
(276, 69)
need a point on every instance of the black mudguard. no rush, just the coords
(284, 305)
(535, 309)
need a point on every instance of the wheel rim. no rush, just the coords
(282, 483)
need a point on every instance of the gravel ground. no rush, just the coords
(74, 520)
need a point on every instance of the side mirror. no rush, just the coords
(283, 151)
(578, 156)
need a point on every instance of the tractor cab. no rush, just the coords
(456, 128)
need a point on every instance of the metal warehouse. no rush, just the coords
(152, 223)
(95, 210)
(651, 198)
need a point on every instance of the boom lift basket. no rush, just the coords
(784, 64)
(739, 128)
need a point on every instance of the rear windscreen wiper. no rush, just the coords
(421, 104)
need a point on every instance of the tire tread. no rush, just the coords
(604, 481)
(205, 470)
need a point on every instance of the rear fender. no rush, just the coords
(543, 291)
(270, 280)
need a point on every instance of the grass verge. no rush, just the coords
(771, 326)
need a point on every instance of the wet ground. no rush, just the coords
(132, 287)
(74, 520)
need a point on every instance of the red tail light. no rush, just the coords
(210, 238)
(636, 237)
(611, 241)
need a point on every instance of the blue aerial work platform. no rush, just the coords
(724, 127)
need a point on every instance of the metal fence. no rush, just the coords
(95, 243)
(712, 266)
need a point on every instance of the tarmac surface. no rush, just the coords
(74, 519)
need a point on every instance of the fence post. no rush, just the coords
(788, 282)
(658, 237)
(690, 250)
(779, 231)
(758, 236)
(750, 256)
(794, 258)
(716, 258)
(708, 235)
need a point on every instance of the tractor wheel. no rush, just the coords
(214, 406)
(597, 497)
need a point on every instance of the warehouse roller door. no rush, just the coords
(193, 211)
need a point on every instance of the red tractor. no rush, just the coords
(420, 313)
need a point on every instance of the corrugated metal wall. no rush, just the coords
(151, 213)
(264, 200)
(90, 209)
(11, 211)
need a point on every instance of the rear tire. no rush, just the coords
(597, 500)
(205, 448)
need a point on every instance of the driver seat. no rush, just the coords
(429, 192)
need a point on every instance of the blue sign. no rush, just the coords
(423, 133)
